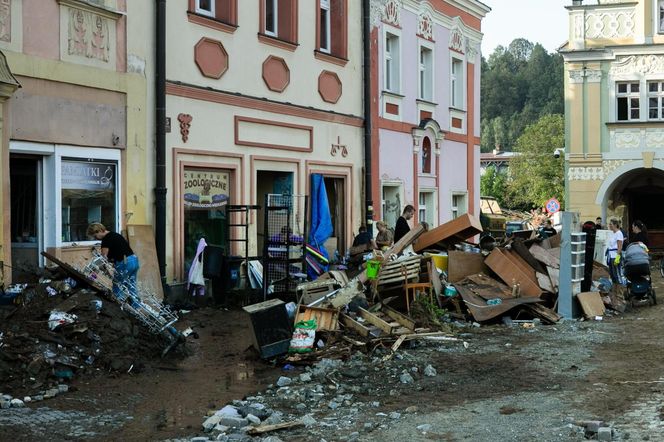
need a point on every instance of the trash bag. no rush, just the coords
(304, 336)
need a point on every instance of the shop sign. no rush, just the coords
(82, 175)
(205, 189)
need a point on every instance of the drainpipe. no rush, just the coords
(160, 112)
(368, 191)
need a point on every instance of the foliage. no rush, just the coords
(535, 175)
(494, 183)
(520, 84)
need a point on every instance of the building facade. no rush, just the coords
(75, 142)
(426, 86)
(263, 95)
(614, 112)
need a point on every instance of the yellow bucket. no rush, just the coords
(440, 261)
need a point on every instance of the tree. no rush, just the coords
(535, 174)
(493, 183)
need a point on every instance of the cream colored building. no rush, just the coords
(76, 136)
(614, 111)
(260, 96)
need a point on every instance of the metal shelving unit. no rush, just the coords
(238, 223)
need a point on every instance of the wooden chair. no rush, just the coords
(414, 288)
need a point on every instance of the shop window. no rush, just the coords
(392, 65)
(628, 101)
(279, 19)
(457, 83)
(333, 27)
(89, 194)
(426, 155)
(224, 11)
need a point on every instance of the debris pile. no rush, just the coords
(59, 330)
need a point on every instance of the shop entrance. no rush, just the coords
(336, 191)
(267, 182)
(25, 177)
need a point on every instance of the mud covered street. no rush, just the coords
(496, 383)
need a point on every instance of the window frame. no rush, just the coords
(275, 16)
(457, 83)
(455, 207)
(659, 96)
(629, 95)
(325, 5)
(426, 75)
(392, 62)
(208, 13)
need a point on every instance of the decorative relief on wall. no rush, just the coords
(185, 124)
(654, 139)
(578, 26)
(642, 64)
(611, 165)
(614, 24)
(425, 25)
(5, 21)
(626, 139)
(88, 35)
(472, 49)
(585, 173)
(392, 12)
(457, 40)
(338, 147)
(592, 75)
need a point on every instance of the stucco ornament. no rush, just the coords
(5, 20)
(425, 25)
(185, 124)
(627, 139)
(88, 35)
(616, 24)
(472, 49)
(654, 138)
(585, 173)
(392, 12)
(338, 147)
(642, 64)
(457, 39)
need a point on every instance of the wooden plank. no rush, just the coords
(521, 264)
(520, 248)
(483, 312)
(375, 320)
(545, 282)
(400, 318)
(545, 256)
(591, 303)
(488, 288)
(461, 228)
(546, 314)
(351, 323)
(141, 241)
(435, 280)
(504, 267)
(554, 276)
(326, 318)
(267, 428)
(462, 264)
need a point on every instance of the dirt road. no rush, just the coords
(505, 384)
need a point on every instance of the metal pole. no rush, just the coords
(160, 154)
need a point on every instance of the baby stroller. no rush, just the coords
(637, 274)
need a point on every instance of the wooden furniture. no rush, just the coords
(413, 289)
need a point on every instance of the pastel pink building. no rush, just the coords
(426, 122)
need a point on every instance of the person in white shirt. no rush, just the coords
(613, 253)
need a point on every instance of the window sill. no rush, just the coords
(456, 109)
(210, 22)
(393, 94)
(277, 42)
(330, 58)
(423, 101)
(656, 123)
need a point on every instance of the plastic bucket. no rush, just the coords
(373, 267)
(450, 291)
(440, 261)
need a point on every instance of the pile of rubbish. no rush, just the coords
(63, 329)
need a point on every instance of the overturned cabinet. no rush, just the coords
(271, 327)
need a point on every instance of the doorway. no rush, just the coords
(25, 177)
(267, 182)
(336, 191)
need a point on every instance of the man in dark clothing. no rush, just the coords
(402, 227)
(117, 250)
(363, 237)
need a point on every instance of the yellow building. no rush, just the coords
(614, 112)
(75, 143)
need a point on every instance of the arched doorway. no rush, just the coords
(638, 194)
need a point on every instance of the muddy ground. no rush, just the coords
(504, 384)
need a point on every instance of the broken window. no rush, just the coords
(628, 101)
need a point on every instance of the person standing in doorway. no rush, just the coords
(402, 227)
(613, 253)
(640, 233)
(598, 223)
(116, 249)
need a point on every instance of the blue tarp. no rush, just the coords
(321, 220)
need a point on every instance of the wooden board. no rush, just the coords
(462, 264)
(545, 256)
(520, 248)
(591, 303)
(326, 318)
(554, 276)
(545, 282)
(483, 312)
(488, 288)
(141, 241)
(435, 279)
(375, 320)
(452, 232)
(500, 262)
(400, 318)
(351, 323)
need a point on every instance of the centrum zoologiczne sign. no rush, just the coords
(205, 189)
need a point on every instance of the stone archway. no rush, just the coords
(634, 192)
